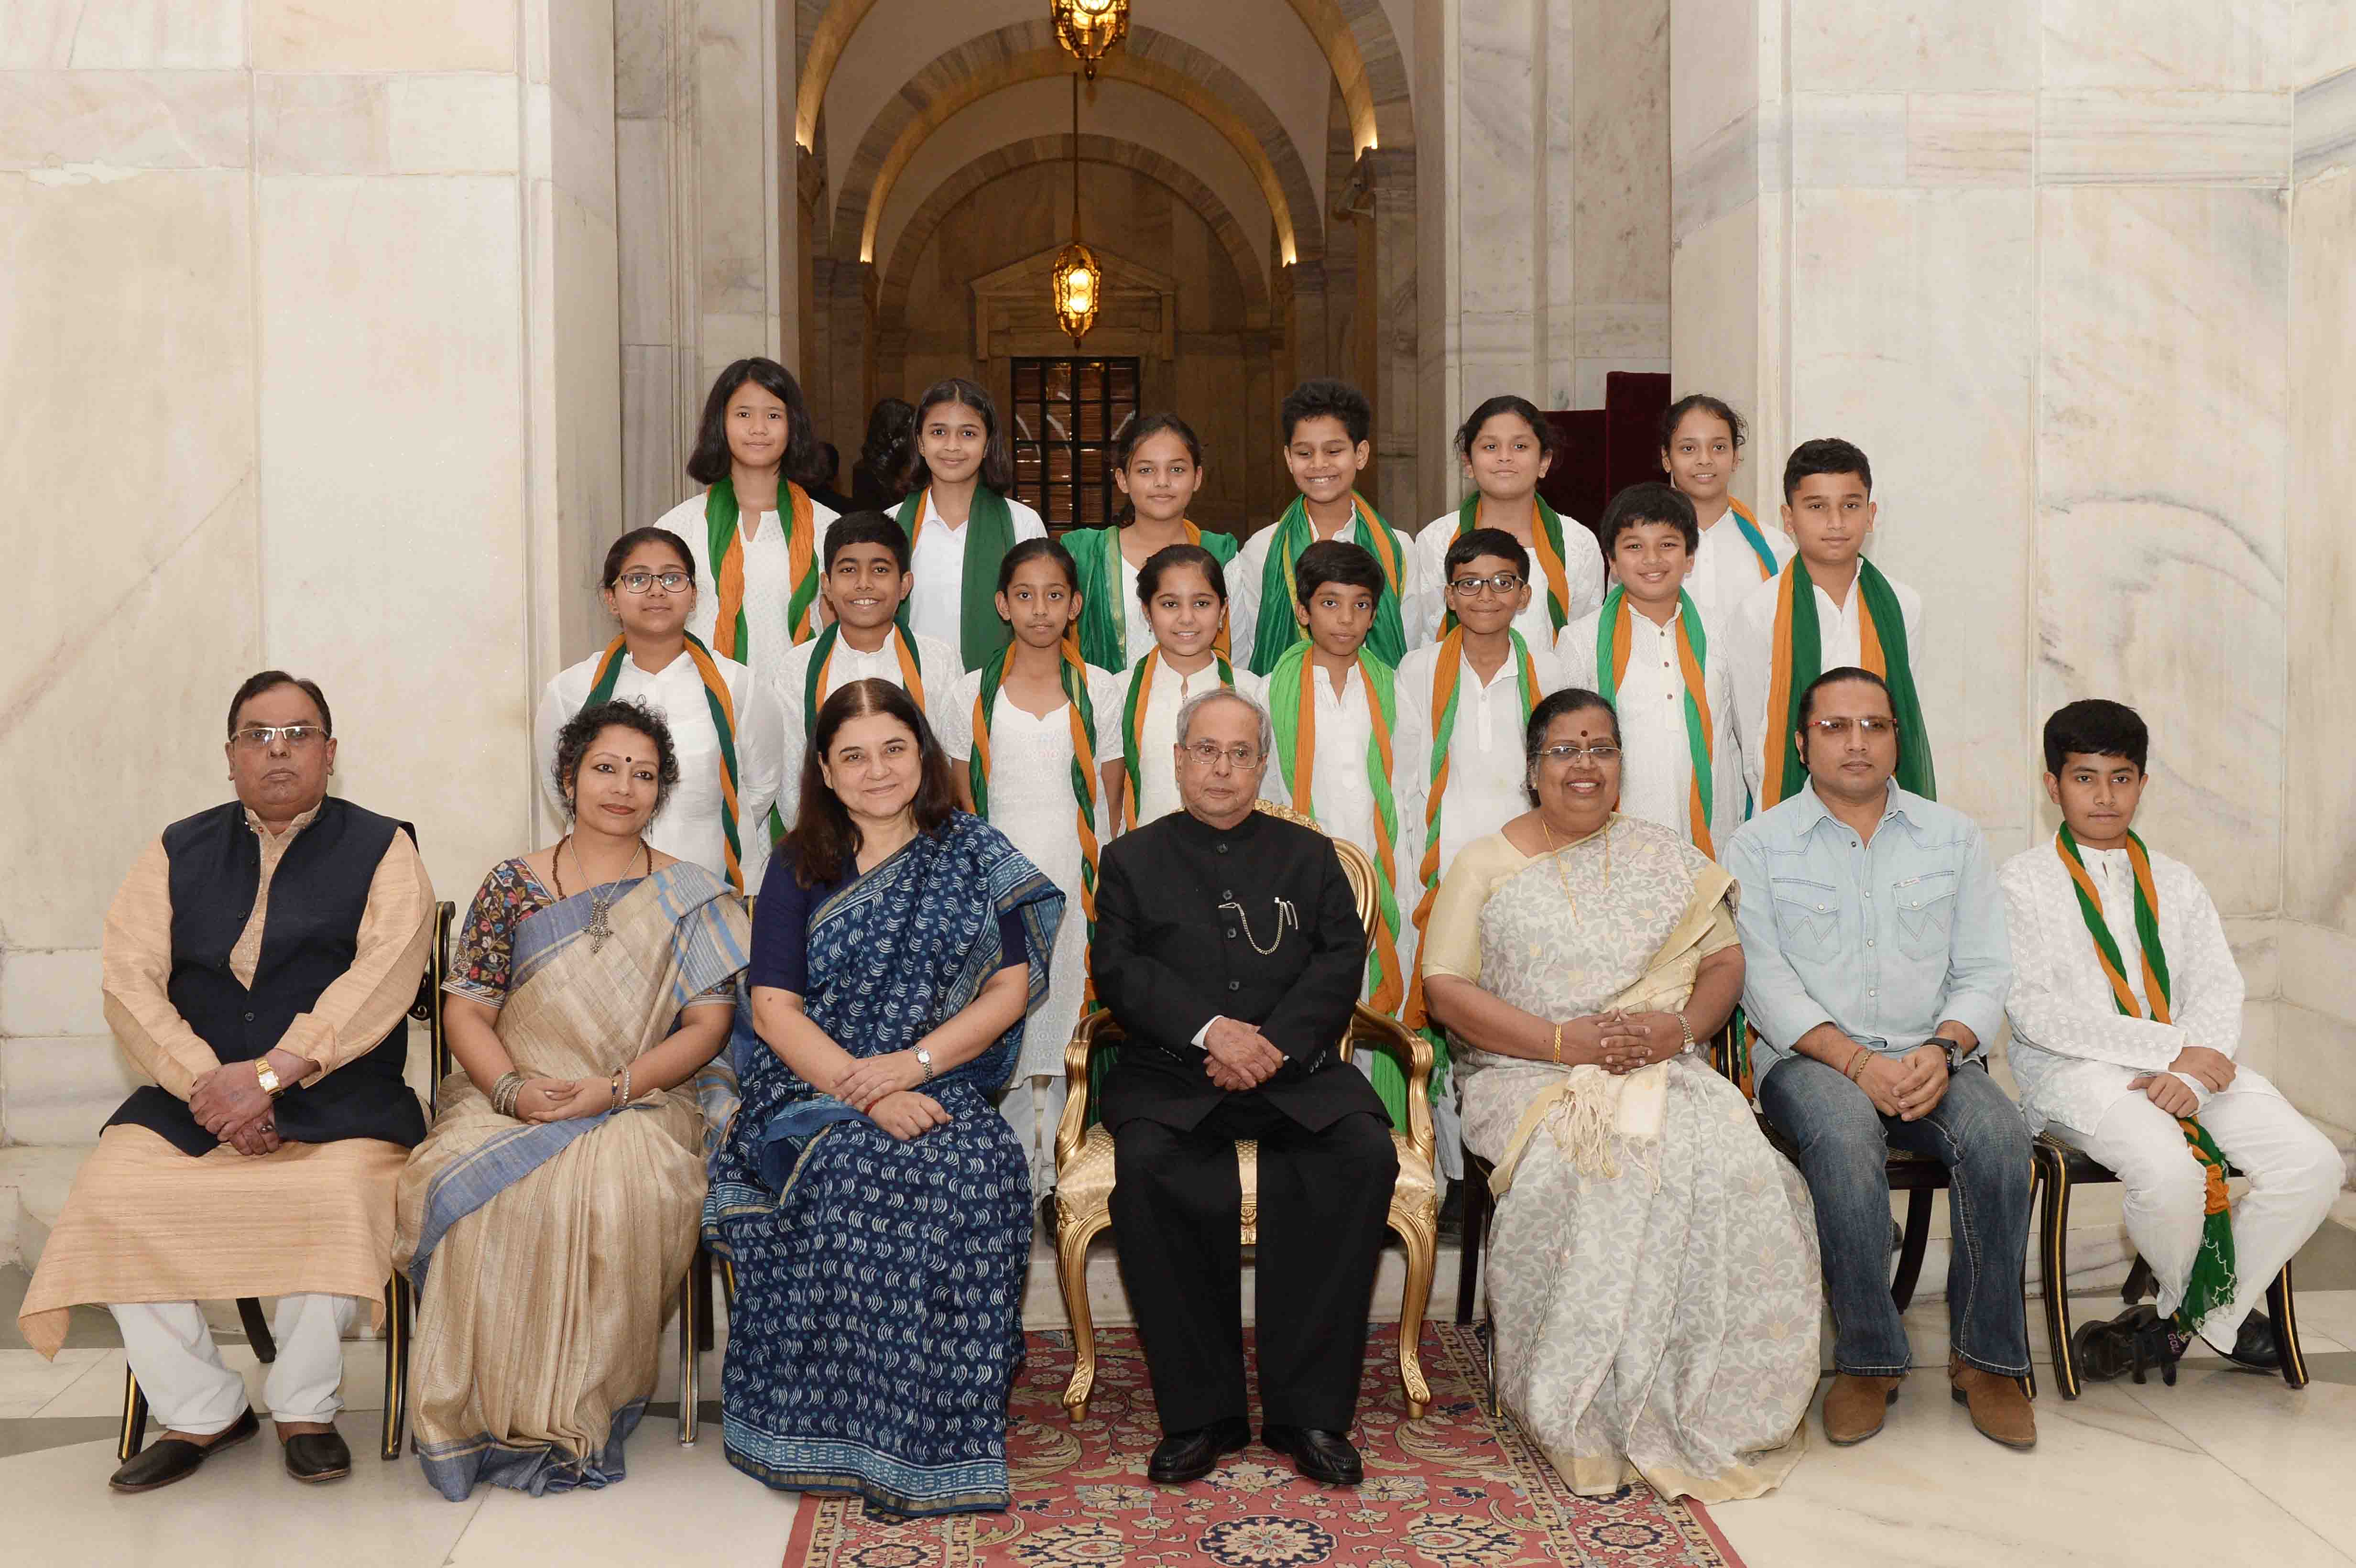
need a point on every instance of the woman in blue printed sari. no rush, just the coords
(876, 1209)
(546, 1220)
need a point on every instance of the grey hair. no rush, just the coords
(1226, 694)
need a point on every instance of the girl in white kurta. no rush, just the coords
(1038, 732)
(651, 587)
(1505, 447)
(1184, 590)
(1701, 447)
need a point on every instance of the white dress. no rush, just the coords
(1030, 802)
(769, 579)
(1582, 570)
(1157, 734)
(689, 824)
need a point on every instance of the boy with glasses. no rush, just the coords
(1648, 651)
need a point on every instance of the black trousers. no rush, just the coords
(1177, 1205)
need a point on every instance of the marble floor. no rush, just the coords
(2227, 1467)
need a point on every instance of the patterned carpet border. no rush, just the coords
(1456, 1489)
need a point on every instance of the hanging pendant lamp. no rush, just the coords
(1089, 29)
(1077, 281)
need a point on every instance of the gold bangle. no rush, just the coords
(1557, 1045)
(1857, 1064)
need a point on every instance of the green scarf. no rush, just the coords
(989, 534)
(1796, 659)
(1693, 656)
(723, 706)
(1104, 617)
(2212, 1282)
(1278, 630)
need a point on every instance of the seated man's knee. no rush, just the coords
(2309, 1166)
(1148, 1167)
(1830, 1125)
(1362, 1145)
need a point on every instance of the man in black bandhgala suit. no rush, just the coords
(1229, 949)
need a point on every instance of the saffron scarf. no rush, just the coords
(1277, 631)
(1447, 684)
(1103, 626)
(1292, 708)
(1074, 675)
(1797, 658)
(816, 685)
(1752, 537)
(731, 635)
(1611, 640)
(989, 534)
(2212, 1284)
(1545, 543)
(1132, 724)
(724, 720)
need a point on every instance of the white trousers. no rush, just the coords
(2294, 1171)
(188, 1390)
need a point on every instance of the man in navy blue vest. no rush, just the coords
(259, 963)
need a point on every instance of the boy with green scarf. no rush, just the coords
(2127, 1021)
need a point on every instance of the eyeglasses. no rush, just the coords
(1600, 753)
(260, 737)
(644, 581)
(1505, 583)
(1240, 758)
(1837, 728)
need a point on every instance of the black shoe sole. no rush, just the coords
(1307, 1474)
(210, 1449)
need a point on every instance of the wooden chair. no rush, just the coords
(1084, 1163)
(2062, 1166)
(426, 1009)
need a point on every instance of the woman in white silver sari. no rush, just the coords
(1652, 1277)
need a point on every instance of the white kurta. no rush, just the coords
(769, 580)
(1582, 570)
(1485, 751)
(1750, 637)
(936, 602)
(1030, 802)
(1656, 762)
(1341, 799)
(689, 824)
(936, 666)
(1726, 569)
(1158, 733)
(1418, 604)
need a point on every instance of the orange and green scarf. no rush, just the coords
(724, 720)
(1132, 724)
(818, 683)
(989, 534)
(1074, 675)
(1292, 711)
(1796, 659)
(1278, 631)
(1611, 640)
(1752, 537)
(1546, 543)
(731, 637)
(2212, 1284)
(1103, 626)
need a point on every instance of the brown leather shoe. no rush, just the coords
(2000, 1408)
(1855, 1407)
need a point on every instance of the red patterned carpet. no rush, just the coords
(1451, 1491)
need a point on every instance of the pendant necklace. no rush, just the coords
(598, 929)
(1562, 876)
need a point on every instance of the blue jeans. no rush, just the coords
(1841, 1144)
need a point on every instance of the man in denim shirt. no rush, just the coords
(1876, 965)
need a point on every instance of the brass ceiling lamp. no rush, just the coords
(1089, 29)
(1077, 281)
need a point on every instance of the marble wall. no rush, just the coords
(303, 309)
(2051, 272)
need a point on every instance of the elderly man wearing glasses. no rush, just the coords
(1876, 966)
(1229, 949)
(259, 965)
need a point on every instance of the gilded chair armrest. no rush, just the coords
(1096, 1029)
(1414, 1055)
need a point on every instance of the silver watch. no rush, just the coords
(924, 1060)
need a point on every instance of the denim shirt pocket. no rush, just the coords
(1807, 917)
(1926, 914)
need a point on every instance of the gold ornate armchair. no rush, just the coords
(1084, 1163)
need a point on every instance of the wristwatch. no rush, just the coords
(1957, 1054)
(266, 1075)
(924, 1060)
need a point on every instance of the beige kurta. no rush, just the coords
(145, 1223)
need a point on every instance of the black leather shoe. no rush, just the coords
(1183, 1456)
(2254, 1346)
(318, 1456)
(1324, 1457)
(176, 1459)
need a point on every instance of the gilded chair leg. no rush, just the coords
(2053, 1239)
(1072, 1238)
(1911, 1250)
(396, 1367)
(134, 1418)
(691, 1299)
(2285, 1312)
(1419, 1231)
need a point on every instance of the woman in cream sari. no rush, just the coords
(1652, 1274)
(546, 1220)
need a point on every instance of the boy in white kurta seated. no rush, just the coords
(2126, 1019)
